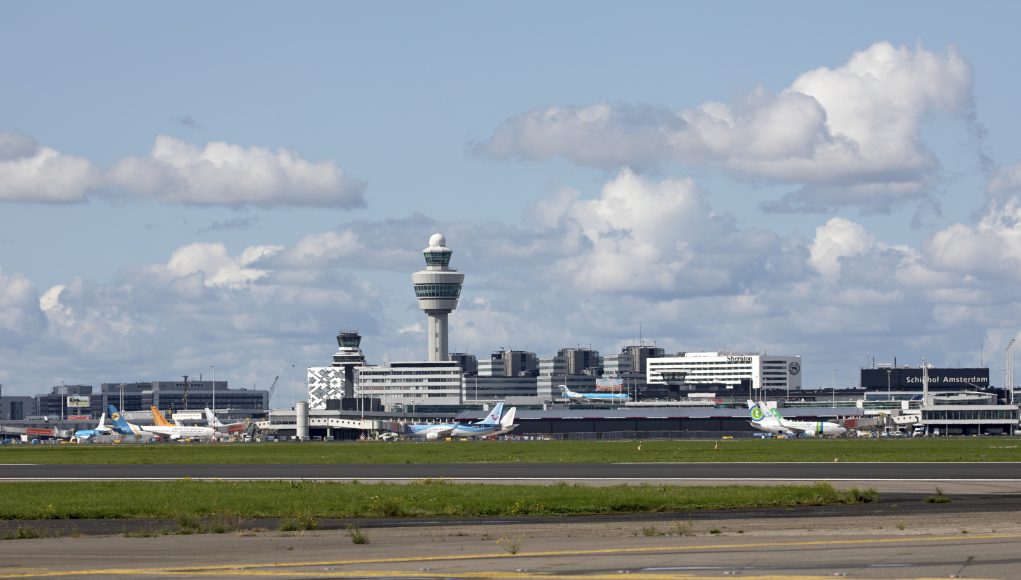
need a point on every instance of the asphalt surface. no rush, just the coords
(921, 546)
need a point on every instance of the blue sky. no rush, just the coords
(183, 184)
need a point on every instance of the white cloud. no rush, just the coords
(838, 238)
(226, 174)
(20, 317)
(1006, 179)
(217, 267)
(176, 172)
(851, 135)
(31, 173)
(992, 247)
(638, 251)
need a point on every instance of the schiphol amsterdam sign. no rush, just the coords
(911, 378)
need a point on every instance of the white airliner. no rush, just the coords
(215, 423)
(176, 432)
(765, 421)
(810, 428)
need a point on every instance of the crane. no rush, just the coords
(272, 388)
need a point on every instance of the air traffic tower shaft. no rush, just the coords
(437, 289)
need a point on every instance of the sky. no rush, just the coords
(194, 187)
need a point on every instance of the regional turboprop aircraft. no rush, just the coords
(810, 428)
(594, 397)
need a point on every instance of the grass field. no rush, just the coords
(728, 450)
(307, 500)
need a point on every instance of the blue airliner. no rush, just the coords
(434, 431)
(594, 397)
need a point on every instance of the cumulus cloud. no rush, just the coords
(991, 247)
(176, 172)
(216, 266)
(21, 319)
(851, 134)
(637, 251)
(226, 174)
(1006, 179)
(36, 174)
(838, 238)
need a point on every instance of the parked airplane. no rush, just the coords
(765, 421)
(506, 425)
(158, 417)
(594, 397)
(172, 432)
(83, 435)
(128, 430)
(431, 431)
(494, 415)
(435, 431)
(810, 428)
(215, 423)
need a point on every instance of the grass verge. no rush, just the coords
(303, 503)
(826, 450)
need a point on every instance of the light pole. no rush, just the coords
(1009, 382)
(213, 366)
(834, 401)
(122, 398)
(889, 395)
(293, 395)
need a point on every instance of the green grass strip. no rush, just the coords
(434, 498)
(725, 450)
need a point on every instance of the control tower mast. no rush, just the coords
(437, 289)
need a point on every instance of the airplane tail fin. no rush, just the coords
(766, 409)
(755, 412)
(494, 415)
(565, 391)
(508, 419)
(119, 424)
(102, 422)
(158, 417)
(211, 419)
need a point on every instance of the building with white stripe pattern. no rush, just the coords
(691, 369)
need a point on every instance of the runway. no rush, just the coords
(896, 477)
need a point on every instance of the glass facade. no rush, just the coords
(437, 258)
(437, 290)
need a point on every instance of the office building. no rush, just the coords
(693, 371)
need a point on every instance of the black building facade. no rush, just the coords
(910, 379)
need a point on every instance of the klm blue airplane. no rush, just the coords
(83, 435)
(506, 425)
(592, 397)
(435, 431)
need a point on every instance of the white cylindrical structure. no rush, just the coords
(437, 289)
(301, 419)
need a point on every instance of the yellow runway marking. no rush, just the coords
(275, 568)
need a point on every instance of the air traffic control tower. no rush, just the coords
(437, 289)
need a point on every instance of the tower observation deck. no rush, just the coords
(437, 289)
